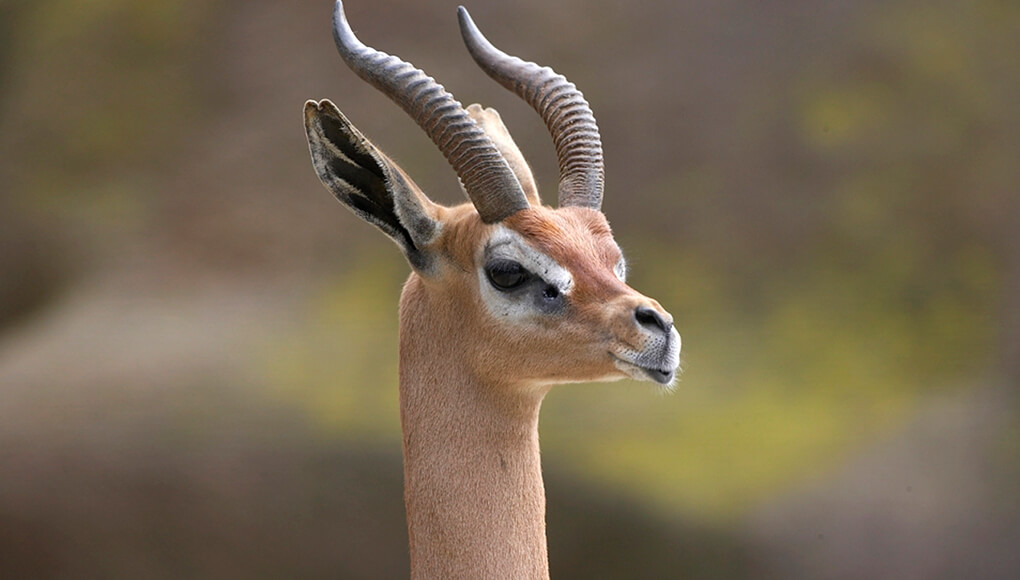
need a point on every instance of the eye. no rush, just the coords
(506, 275)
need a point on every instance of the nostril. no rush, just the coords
(651, 319)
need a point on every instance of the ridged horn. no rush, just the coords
(563, 108)
(487, 178)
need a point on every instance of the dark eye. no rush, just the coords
(506, 275)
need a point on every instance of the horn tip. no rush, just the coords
(342, 33)
(464, 19)
(473, 38)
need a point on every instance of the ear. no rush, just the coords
(369, 183)
(490, 122)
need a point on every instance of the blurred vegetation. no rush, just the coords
(824, 196)
(828, 360)
(792, 360)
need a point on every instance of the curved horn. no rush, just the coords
(563, 108)
(487, 178)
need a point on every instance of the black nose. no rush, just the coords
(650, 319)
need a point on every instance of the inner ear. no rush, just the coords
(369, 183)
(348, 158)
(363, 172)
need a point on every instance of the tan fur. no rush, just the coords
(472, 474)
(476, 362)
(471, 388)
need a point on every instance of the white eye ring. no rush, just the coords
(621, 270)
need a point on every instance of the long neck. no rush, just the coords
(472, 471)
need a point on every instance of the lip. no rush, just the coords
(661, 376)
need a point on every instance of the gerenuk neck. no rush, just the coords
(472, 472)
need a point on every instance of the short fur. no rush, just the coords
(471, 385)
(473, 376)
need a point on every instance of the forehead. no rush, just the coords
(569, 235)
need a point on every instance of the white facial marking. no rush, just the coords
(621, 270)
(506, 244)
(658, 352)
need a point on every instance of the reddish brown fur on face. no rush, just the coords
(577, 344)
(601, 306)
(578, 239)
(462, 231)
(472, 383)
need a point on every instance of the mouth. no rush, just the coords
(641, 372)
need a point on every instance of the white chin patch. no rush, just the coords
(631, 370)
(661, 354)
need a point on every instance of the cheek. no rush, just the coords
(538, 347)
(579, 341)
(594, 317)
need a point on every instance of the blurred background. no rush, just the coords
(198, 344)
